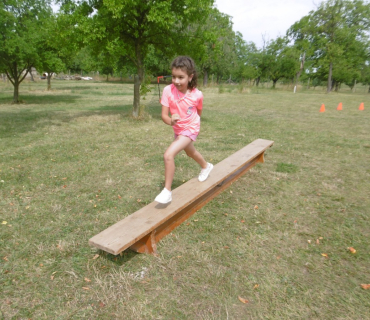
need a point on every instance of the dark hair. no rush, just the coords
(187, 65)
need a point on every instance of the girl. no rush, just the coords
(184, 101)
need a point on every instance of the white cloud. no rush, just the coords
(271, 18)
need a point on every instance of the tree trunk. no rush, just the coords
(337, 86)
(274, 83)
(258, 81)
(298, 74)
(205, 78)
(49, 81)
(328, 89)
(16, 91)
(32, 79)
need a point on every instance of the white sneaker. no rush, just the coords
(204, 173)
(164, 197)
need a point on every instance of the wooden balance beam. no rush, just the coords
(142, 230)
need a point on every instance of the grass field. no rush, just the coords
(73, 162)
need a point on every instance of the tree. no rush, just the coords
(246, 67)
(129, 28)
(58, 45)
(281, 60)
(331, 29)
(211, 44)
(20, 38)
(365, 74)
(302, 42)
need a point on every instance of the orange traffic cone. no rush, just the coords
(340, 106)
(322, 109)
(361, 107)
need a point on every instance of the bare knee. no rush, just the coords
(168, 157)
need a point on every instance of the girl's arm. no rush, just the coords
(199, 112)
(171, 121)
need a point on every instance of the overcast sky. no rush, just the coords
(272, 18)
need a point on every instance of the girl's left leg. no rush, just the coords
(206, 167)
(195, 154)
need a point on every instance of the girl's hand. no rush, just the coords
(174, 118)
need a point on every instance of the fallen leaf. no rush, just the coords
(325, 255)
(309, 241)
(256, 286)
(365, 286)
(242, 221)
(87, 280)
(317, 241)
(4, 222)
(255, 207)
(86, 288)
(96, 257)
(6, 258)
(226, 247)
(101, 305)
(352, 250)
(242, 299)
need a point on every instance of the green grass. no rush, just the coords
(73, 162)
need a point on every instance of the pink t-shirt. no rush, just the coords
(186, 105)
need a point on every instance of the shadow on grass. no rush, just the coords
(13, 123)
(119, 259)
(41, 99)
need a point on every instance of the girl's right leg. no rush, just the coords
(179, 144)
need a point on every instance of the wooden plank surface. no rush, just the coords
(126, 232)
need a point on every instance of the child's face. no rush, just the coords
(181, 79)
